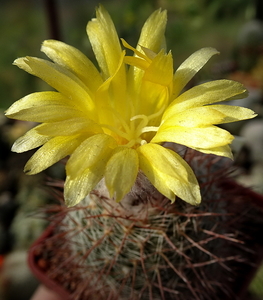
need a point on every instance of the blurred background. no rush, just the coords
(233, 27)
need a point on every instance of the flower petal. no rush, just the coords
(111, 98)
(190, 67)
(152, 33)
(234, 113)
(152, 37)
(106, 46)
(86, 167)
(200, 137)
(138, 54)
(30, 140)
(211, 115)
(70, 126)
(51, 152)
(160, 71)
(219, 151)
(77, 188)
(169, 173)
(60, 79)
(153, 99)
(191, 117)
(43, 107)
(204, 94)
(105, 42)
(136, 62)
(92, 153)
(73, 60)
(121, 172)
(155, 86)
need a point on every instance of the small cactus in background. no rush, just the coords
(145, 247)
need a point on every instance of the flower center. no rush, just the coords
(137, 131)
(131, 134)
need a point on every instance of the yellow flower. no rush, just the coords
(113, 122)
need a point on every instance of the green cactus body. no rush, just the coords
(145, 247)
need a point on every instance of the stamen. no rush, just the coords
(150, 128)
(157, 114)
(132, 133)
(143, 117)
(142, 128)
(143, 123)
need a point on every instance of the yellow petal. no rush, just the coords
(39, 99)
(77, 188)
(153, 98)
(30, 140)
(51, 152)
(137, 52)
(136, 62)
(73, 60)
(111, 97)
(152, 37)
(160, 71)
(69, 127)
(60, 79)
(152, 33)
(43, 107)
(190, 67)
(86, 167)
(234, 113)
(149, 53)
(121, 172)
(220, 151)
(169, 173)
(195, 117)
(201, 137)
(105, 42)
(204, 94)
(92, 154)
(155, 86)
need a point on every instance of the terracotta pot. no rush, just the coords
(243, 200)
(38, 265)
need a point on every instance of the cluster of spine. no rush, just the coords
(149, 248)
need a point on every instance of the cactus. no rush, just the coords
(145, 247)
(116, 122)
